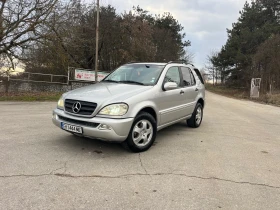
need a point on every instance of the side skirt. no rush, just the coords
(173, 122)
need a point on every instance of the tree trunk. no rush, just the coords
(7, 85)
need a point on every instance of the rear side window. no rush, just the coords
(199, 75)
(188, 78)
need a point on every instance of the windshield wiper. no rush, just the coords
(109, 80)
(132, 82)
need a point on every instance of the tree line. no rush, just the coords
(252, 49)
(51, 35)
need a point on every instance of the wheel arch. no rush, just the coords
(201, 101)
(149, 110)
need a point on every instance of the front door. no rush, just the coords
(171, 102)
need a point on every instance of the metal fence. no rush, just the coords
(40, 78)
(53, 78)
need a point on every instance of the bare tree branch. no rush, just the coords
(22, 23)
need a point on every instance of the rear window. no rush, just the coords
(199, 75)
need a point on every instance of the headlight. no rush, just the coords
(60, 103)
(115, 110)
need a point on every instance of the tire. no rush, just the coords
(197, 116)
(142, 133)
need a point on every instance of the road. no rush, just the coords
(231, 162)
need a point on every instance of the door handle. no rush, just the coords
(196, 89)
(182, 92)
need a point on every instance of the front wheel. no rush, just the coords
(197, 117)
(142, 133)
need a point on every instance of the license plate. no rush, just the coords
(71, 128)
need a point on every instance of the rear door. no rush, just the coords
(190, 90)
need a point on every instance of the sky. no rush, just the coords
(204, 21)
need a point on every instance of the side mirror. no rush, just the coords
(170, 86)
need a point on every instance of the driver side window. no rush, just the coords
(173, 75)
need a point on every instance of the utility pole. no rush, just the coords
(96, 50)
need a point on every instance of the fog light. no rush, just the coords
(104, 127)
(54, 116)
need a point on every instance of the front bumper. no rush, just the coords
(119, 128)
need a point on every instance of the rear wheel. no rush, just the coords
(197, 117)
(142, 133)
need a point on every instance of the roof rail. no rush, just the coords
(133, 62)
(181, 62)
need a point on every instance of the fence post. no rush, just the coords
(7, 84)
(51, 78)
(68, 74)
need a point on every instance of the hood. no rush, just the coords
(104, 92)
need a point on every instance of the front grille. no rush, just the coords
(87, 108)
(79, 122)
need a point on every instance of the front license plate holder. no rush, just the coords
(71, 128)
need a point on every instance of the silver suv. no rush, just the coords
(134, 102)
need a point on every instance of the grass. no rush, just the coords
(219, 89)
(231, 92)
(243, 94)
(271, 99)
(30, 96)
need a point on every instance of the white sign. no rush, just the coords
(255, 87)
(88, 75)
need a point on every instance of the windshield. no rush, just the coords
(139, 74)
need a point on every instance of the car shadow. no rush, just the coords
(178, 127)
(76, 143)
(71, 142)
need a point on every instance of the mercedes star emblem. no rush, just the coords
(76, 107)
